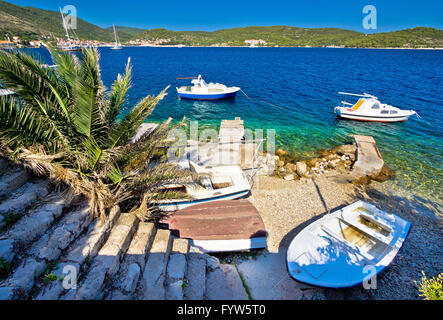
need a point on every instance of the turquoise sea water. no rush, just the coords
(304, 83)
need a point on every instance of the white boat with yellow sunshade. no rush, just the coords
(369, 108)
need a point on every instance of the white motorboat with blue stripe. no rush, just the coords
(369, 108)
(206, 91)
(347, 247)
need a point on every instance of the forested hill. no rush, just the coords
(31, 23)
(293, 36)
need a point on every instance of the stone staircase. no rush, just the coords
(51, 248)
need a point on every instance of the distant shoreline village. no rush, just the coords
(32, 27)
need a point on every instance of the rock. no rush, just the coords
(290, 167)
(346, 149)
(364, 180)
(289, 177)
(281, 153)
(280, 163)
(50, 246)
(312, 162)
(383, 175)
(331, 164)
(212, 263)
(176, 266)
(301, 168)
(108, 259)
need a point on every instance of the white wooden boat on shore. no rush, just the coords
(337, 250)
(216, 183)
(369, 108)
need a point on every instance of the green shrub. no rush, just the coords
(431, 289)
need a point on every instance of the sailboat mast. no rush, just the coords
(117, 42)
(64, 25)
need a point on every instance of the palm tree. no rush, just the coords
(63, 124)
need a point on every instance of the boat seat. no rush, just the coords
(197, 168)
(382, 223)
(358, 104)
(374, 234)
(365, 255)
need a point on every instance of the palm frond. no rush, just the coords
(118, 93)
(21, 126)
(87, 96)
(121, 133)
(33, 83)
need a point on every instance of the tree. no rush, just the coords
(62, 124)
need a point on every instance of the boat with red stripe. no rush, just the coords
(369, 108)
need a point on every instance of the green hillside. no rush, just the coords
(409, 38)
(29, 23)
(127, 33)
(293, 36)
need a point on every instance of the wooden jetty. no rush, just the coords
(369, 160)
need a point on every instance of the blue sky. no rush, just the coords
(213, 15)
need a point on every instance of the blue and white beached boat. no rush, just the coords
(344, 248)
(206, 91)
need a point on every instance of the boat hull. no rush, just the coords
(373, 119)
(361, 117)
(320, 257)
(182, 204)
(219, 226)
(218, 96)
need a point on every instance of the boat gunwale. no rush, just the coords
(381, 264)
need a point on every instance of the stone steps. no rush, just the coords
(77, 255)
(126, 281)
(195, 275)
(121, 258)
(106, 264)
(152, 282)
(32, 225)
(175, 271)
(12, 179)
(47, 249)
(24, 197)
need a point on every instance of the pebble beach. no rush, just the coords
(286, 207)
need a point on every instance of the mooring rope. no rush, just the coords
(269, 103)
